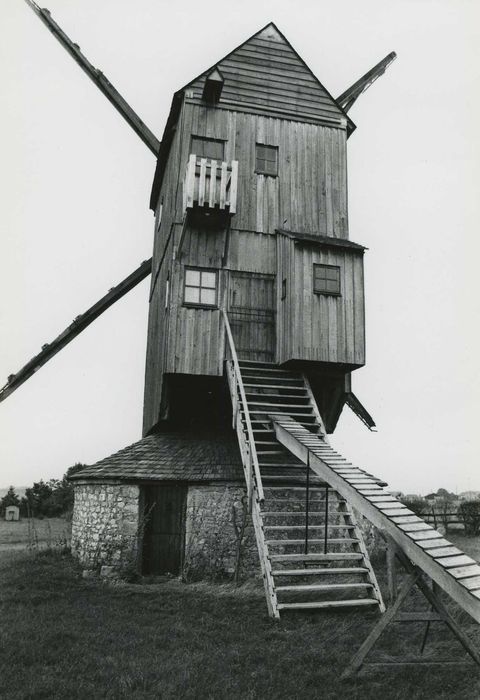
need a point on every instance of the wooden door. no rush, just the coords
(164, 535)
(251, 311)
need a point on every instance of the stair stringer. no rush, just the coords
(455, 572)
(347, 509)
(349, 515)
(248, 455)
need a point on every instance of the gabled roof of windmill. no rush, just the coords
(264, 75)
(266, 72)
(171, 456)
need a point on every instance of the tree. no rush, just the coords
(51, 498)
(469, 511)
(419, 505)
(10, 499)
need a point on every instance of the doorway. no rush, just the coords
(164, 535)
(251, 312)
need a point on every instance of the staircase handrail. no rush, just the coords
(246, 413)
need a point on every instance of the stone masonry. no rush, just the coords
(105, 524)
(213, 529)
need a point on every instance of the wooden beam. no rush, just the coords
(438, 613)
(75, 328)
(290, 434)
(347, 98)
(97, 77)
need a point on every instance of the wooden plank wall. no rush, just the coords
(310, 192)
(266, 73)
(320, 327)
(309, 195)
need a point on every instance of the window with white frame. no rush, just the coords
(200, 287)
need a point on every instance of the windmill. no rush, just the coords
(256, 320)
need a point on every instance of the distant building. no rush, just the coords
(12, 513)
(469, 496)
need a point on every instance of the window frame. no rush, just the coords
(200, 304)
(264, 171)
(206, 139)
(327, 291)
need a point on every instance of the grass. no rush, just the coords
(63, 636)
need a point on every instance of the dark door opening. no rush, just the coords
(251, 311)
(164, 535)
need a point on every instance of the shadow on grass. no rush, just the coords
(66, 637)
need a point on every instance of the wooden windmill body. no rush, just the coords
(256, 322)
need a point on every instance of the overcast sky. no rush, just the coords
(74, 189)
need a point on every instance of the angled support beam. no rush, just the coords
(347, 98)
(359, 409)
(75, 328)
(438, 613)
(103, 84)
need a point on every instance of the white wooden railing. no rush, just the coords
(243, 426)
(247, 443)
(210, 183)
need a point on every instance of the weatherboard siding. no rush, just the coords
(266, 74)
(319, 327)
(308, 195)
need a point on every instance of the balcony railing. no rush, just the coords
(210, 184)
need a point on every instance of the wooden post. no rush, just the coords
(325, 534)
(391, 571)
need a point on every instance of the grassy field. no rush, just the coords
(35, 532)
(63, 636)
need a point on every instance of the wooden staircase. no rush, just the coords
(311, 549)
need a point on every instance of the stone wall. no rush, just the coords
(213, 528)
(105, 525)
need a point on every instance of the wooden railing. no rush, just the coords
(247, 444)
(210, 183)
(251, 467)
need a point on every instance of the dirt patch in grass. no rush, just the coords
(48, 532)
(66, 637)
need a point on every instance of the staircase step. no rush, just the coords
(251, 404)
(332, 540)
(297, 397)
(316, 572)
(277, 528)
(268, 411)
(278, 386)
(302, 513)
(322, 587)
(328, 604)
(332, 556)
(267, 372)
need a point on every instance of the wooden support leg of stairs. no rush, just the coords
(438, 613)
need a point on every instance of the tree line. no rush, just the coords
(44, 499)
(443, 508)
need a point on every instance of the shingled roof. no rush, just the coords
(172, 456)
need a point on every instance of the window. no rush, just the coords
(326, 279)
(200, 287)
(284, 288)
(208, 148)
(266, 159)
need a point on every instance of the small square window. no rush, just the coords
(208, 148)
(326, 279)
(266, 159)
(200, 287)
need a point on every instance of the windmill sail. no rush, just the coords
(75, 328)
(347, 98)
(103, 84)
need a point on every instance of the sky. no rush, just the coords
(74, 219)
